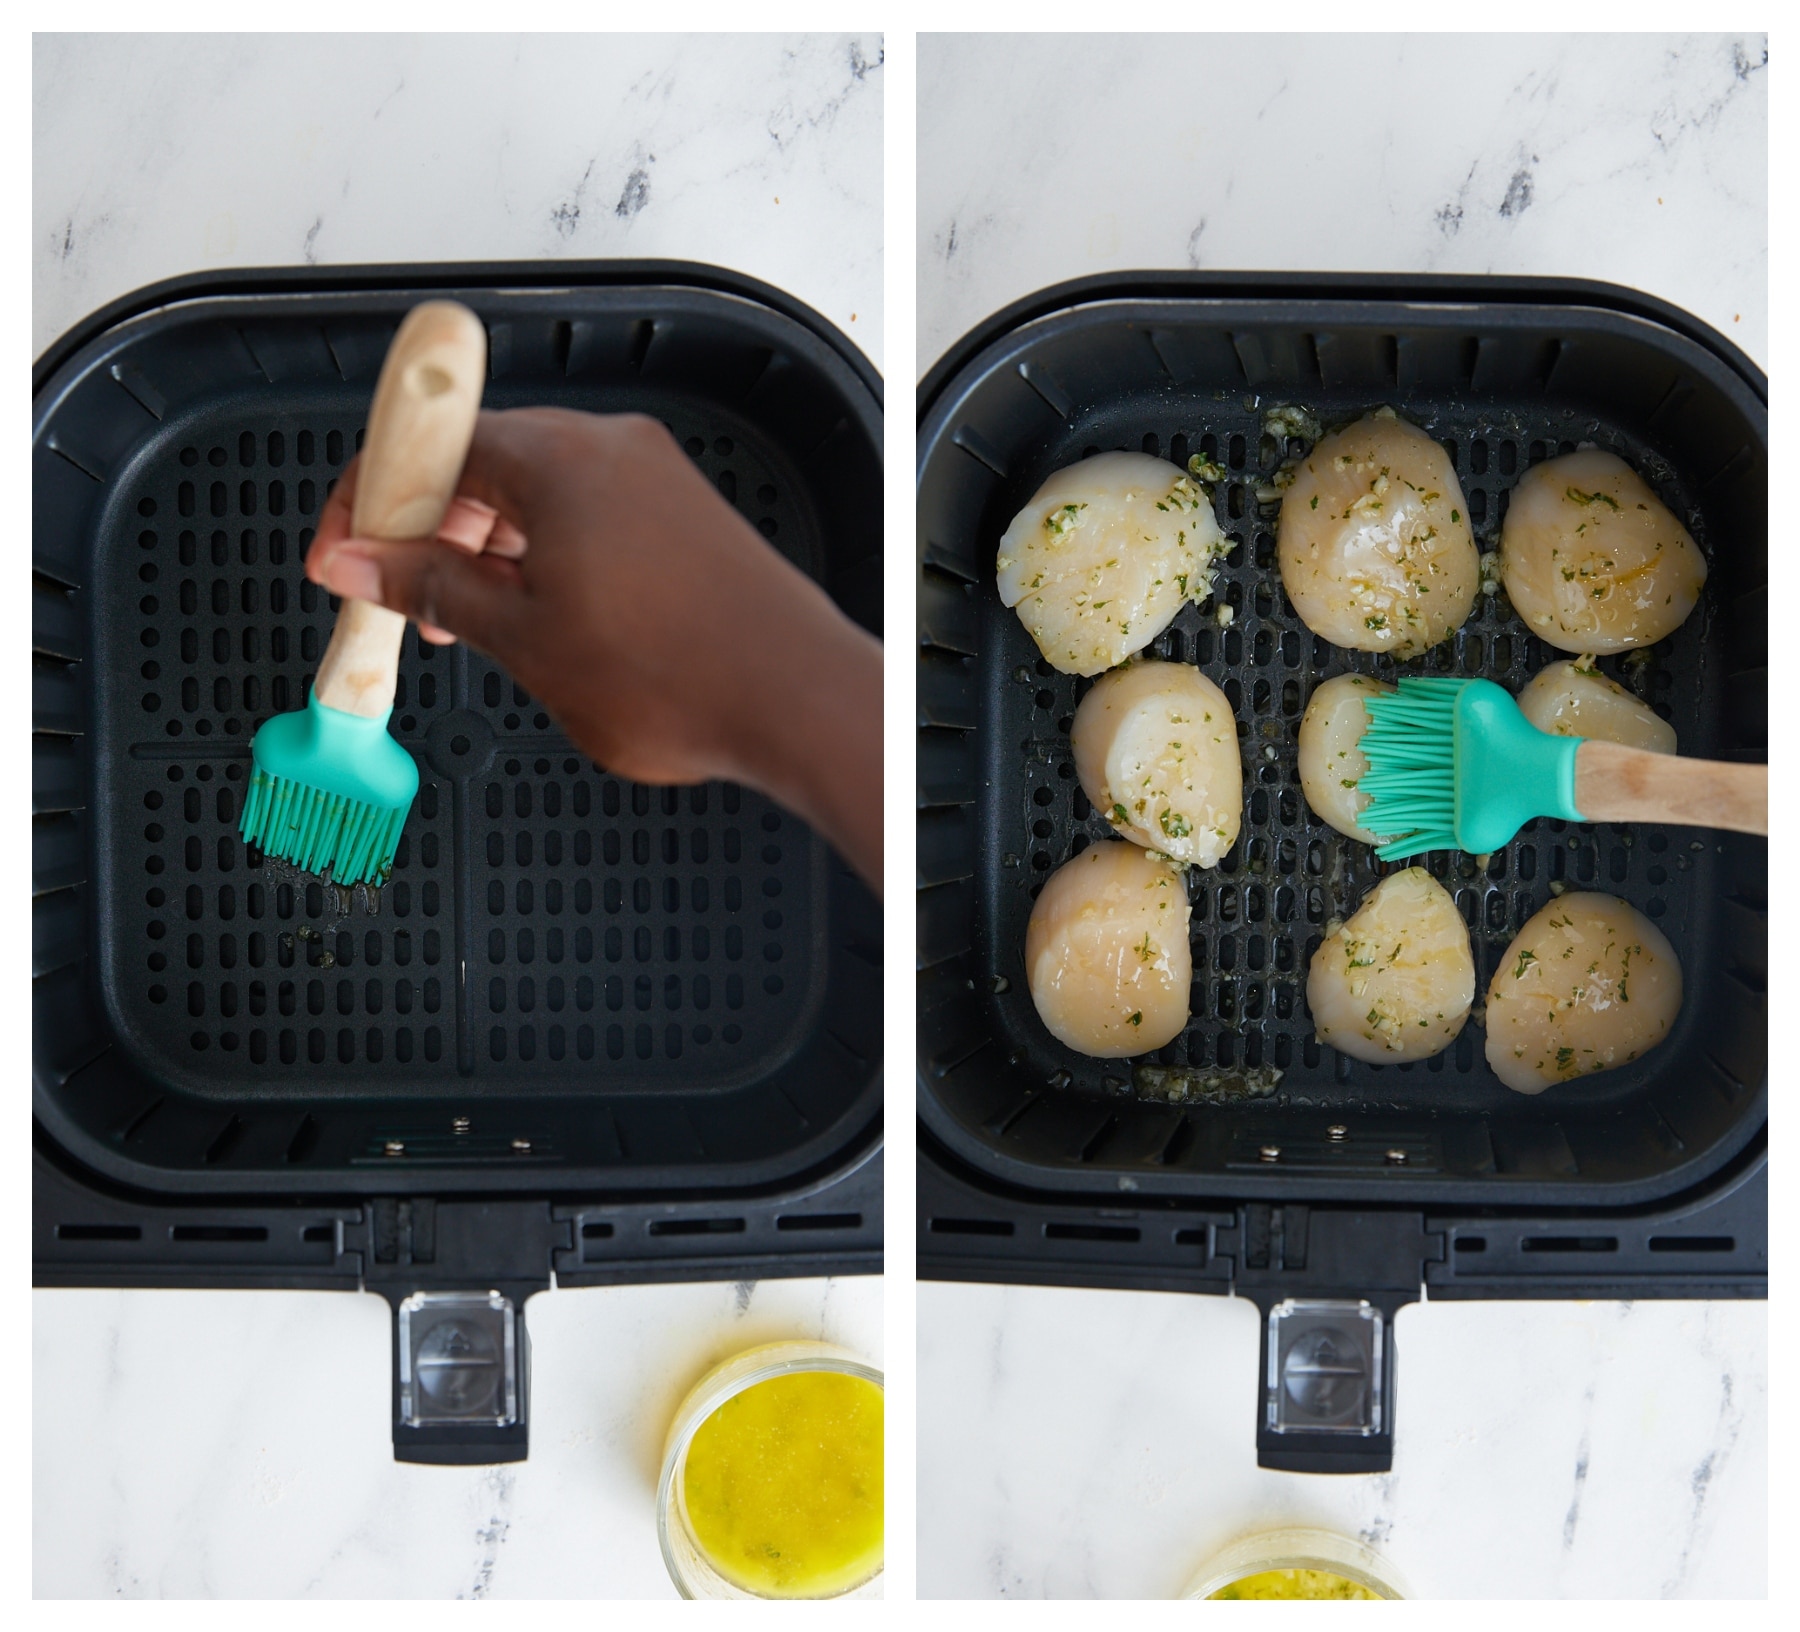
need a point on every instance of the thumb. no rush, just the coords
(477, 598)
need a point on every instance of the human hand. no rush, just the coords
(588, 556)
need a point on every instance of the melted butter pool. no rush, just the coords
(1294, 1584)
(783, 1485)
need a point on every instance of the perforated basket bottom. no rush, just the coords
(547, 926)
(1259, 916)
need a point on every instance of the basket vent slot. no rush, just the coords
(1092, 1232)
(697, 1226)
(1693, 1243)
(818, 1221)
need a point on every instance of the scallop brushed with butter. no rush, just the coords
(1106, 952)
(1396, 981)
(1592, 559)
(1375, 547)
(1104, 556)
(1587, 985)
(1156, 750)
(1573, 700)
(1331, 756)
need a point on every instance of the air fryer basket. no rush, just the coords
(650, 986)
(572, 986)
(1503, 375)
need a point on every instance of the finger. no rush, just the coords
(506, 540)
(471, 597)
(437, 636)
(497, 477)
(334, 520)
(508, 455)
(468, 524)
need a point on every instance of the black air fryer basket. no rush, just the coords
(1348, 1189)
(589, 1029)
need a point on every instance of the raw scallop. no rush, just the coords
(1568, 700)
(1156, 749)
(1376, 552)
(1106, 952)
(1104, 556)
(1592, 560)
(1587, 984)
(1396, 981)
(1331, 762)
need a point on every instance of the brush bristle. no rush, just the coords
(321, 832)
(1410, 745)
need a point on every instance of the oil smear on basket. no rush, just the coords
(783, 1485)
(1294, 1584)
(340, 901)
(1182, 1085)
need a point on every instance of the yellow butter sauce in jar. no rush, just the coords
(1296, 1564)
(783, 1485)
(1294, 1584)
(772, 1479)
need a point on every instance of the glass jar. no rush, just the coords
(1297, 1550)
(692, 1571)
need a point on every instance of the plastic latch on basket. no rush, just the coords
(1325, 1364)
(459, 1360)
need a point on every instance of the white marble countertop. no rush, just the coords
(1102, 1443)
(167, 153)
(1639, 159)
(1078, 1444)
(237, 1444)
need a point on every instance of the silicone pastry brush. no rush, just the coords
(329, 788)
(1454, 765)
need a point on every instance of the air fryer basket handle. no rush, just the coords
(1328, 1281)
(1325, 1385)
(461, 1373)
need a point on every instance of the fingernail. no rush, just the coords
(353, 576)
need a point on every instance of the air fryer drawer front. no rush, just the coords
(589, 1032)
(1328, 1281)
(1246, 1102)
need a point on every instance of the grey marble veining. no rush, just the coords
(1637, 159)
(1102, 1444)
(1080, 1444)
(237, 1444)
(161, 154)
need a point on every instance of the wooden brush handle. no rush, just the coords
(1614, 784)
(420, 424)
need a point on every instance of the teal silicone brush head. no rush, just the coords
(1454, 765)
(329, 792)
